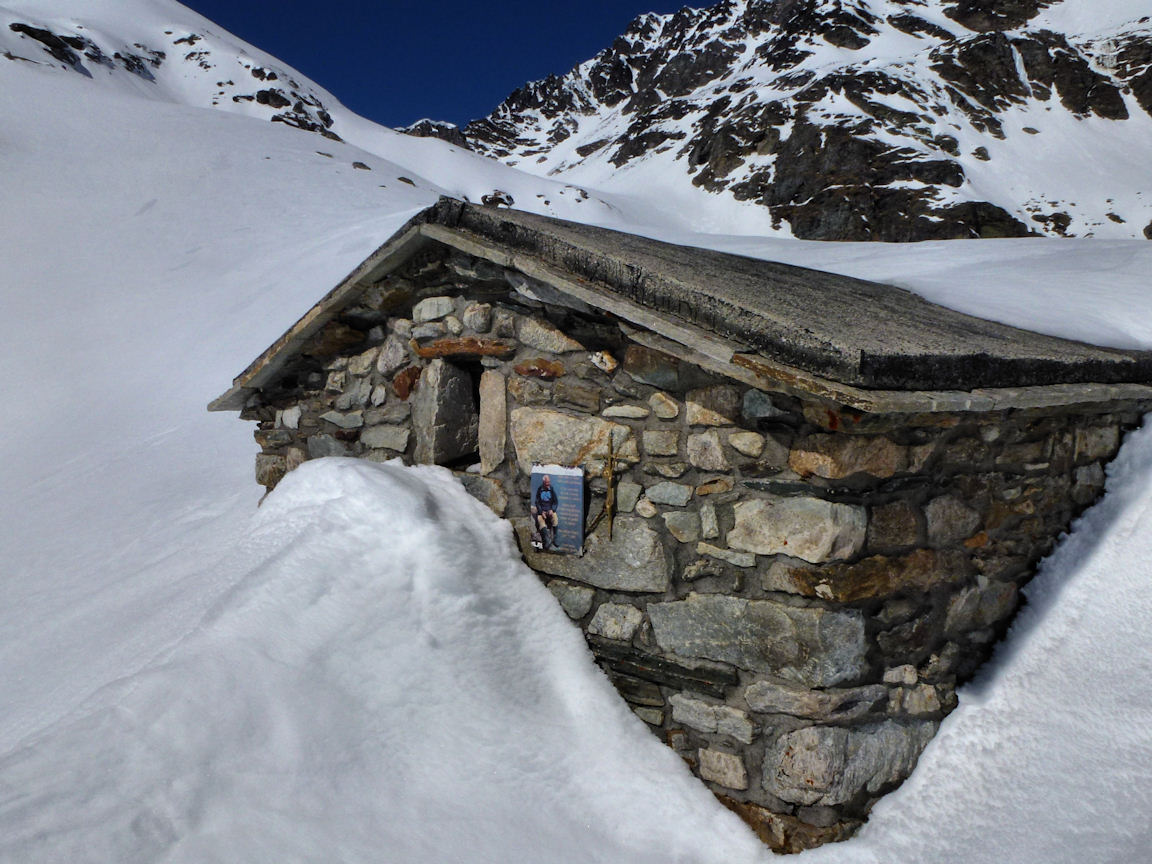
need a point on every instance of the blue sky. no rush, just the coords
(396, 61)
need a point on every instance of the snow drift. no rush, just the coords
(382, 677)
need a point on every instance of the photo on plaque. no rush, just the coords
(557, 508)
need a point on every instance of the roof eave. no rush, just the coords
(402, 246)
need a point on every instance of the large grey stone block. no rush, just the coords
(493, 429)
(444, 414)
(489, 491)
(808, 528)
(353, 420)
(575, 600)
(813, 646)
(547, 436)
(829, 765)
(634, 560)
(831, 705)
(320, 446)
(615, 621)
(627, 494)
(695, 713)
(386, 438)
(672, 494)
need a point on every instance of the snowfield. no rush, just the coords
(361, 669)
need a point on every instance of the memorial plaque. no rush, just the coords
(557, 508)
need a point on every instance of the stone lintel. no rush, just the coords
(462, 346)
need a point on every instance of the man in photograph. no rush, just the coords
(545, 511)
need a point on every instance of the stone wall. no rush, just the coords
(792, 590)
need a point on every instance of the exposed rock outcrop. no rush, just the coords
(789, 104)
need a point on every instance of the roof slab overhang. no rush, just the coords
(871, 347)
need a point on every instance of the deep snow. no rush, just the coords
(187, 678)
(383, 679)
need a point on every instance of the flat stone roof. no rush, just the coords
(843, 338)
(867, 334)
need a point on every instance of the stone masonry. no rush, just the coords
(793, 589)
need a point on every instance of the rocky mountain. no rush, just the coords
(193, 64)
(891, 120)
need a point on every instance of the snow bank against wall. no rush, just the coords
(385, 663)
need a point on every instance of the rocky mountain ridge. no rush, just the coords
(183, 59)
(891, 120)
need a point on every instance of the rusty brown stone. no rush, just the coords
(837, 456)
(828, 417)
(270, 439)
(539, 367)
(405, 381)
(715, 487)
(977, 541)
(880, 576)
(785, 834)
(270, 469)
(463, 346)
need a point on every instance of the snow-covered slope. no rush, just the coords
(344, 673)
(161, 51)
(863, 119)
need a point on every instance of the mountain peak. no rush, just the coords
(861, 119)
